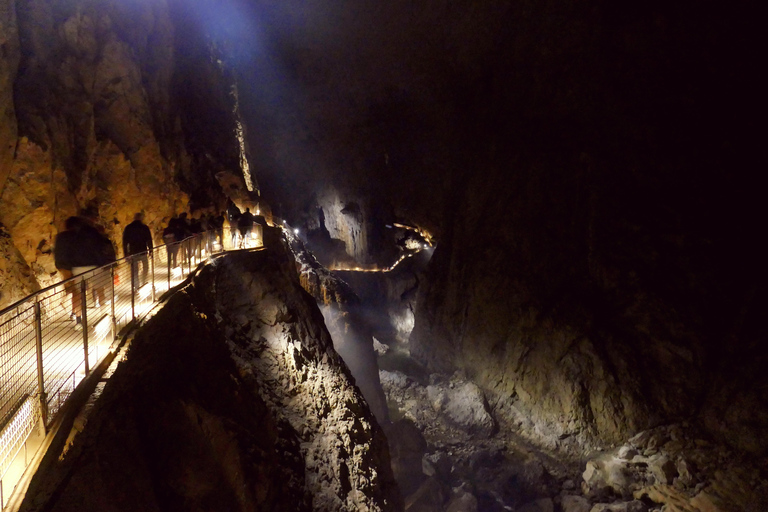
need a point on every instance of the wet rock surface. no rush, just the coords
(230, 398)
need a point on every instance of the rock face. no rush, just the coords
(350, 331)
(581, 279)
(16, 278)
(113, 106)
(230, 398)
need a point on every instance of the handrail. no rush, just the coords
(51, 339)
(75, 278)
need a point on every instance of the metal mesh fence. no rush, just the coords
(50, 340)
(18, 376)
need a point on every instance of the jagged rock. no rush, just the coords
(627, 453)
(380, 347)
(464, 404)
(571, 503)
(17, 280)
(684, 469)
(345, 318)
(606, 472)
(663, 469)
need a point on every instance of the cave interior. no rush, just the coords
(531, 228)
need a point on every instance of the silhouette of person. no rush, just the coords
(137, 242)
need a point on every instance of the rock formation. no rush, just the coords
(116, 107)
(230, 398)
(349, 327)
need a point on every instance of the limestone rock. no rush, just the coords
(571, 503)
(464, 404)
(17, 280)
(663, 469)
(91, 124)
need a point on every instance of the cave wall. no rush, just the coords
(114, 106)
(597, 275)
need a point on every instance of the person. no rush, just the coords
(233, 215)
(169, 238)
(218, 224)
(137, 242)
(182, 232)
(100, 252)
(77, 250)
(245, 224)
(66, 256)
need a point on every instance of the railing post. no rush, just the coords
(83, 289)
(183, 254)
(133, 290)
(168, 261)
(114, 299)
(40, 375)
(152, 263)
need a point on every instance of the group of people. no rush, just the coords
(242, 223)
(84, 246)
(180, 228)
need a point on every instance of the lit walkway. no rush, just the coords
(42, 348)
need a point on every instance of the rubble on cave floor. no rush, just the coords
(449, 454)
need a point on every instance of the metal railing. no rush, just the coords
(51, 340)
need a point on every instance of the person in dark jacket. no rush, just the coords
(245, 225)
(233, 215)
(169, 238)
(218, 224)
(100, 251)
(137, 241)
(67, 255)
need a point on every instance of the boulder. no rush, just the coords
(463, 403)
(572, 503)
(663, 469)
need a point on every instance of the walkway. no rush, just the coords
(43, 350)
